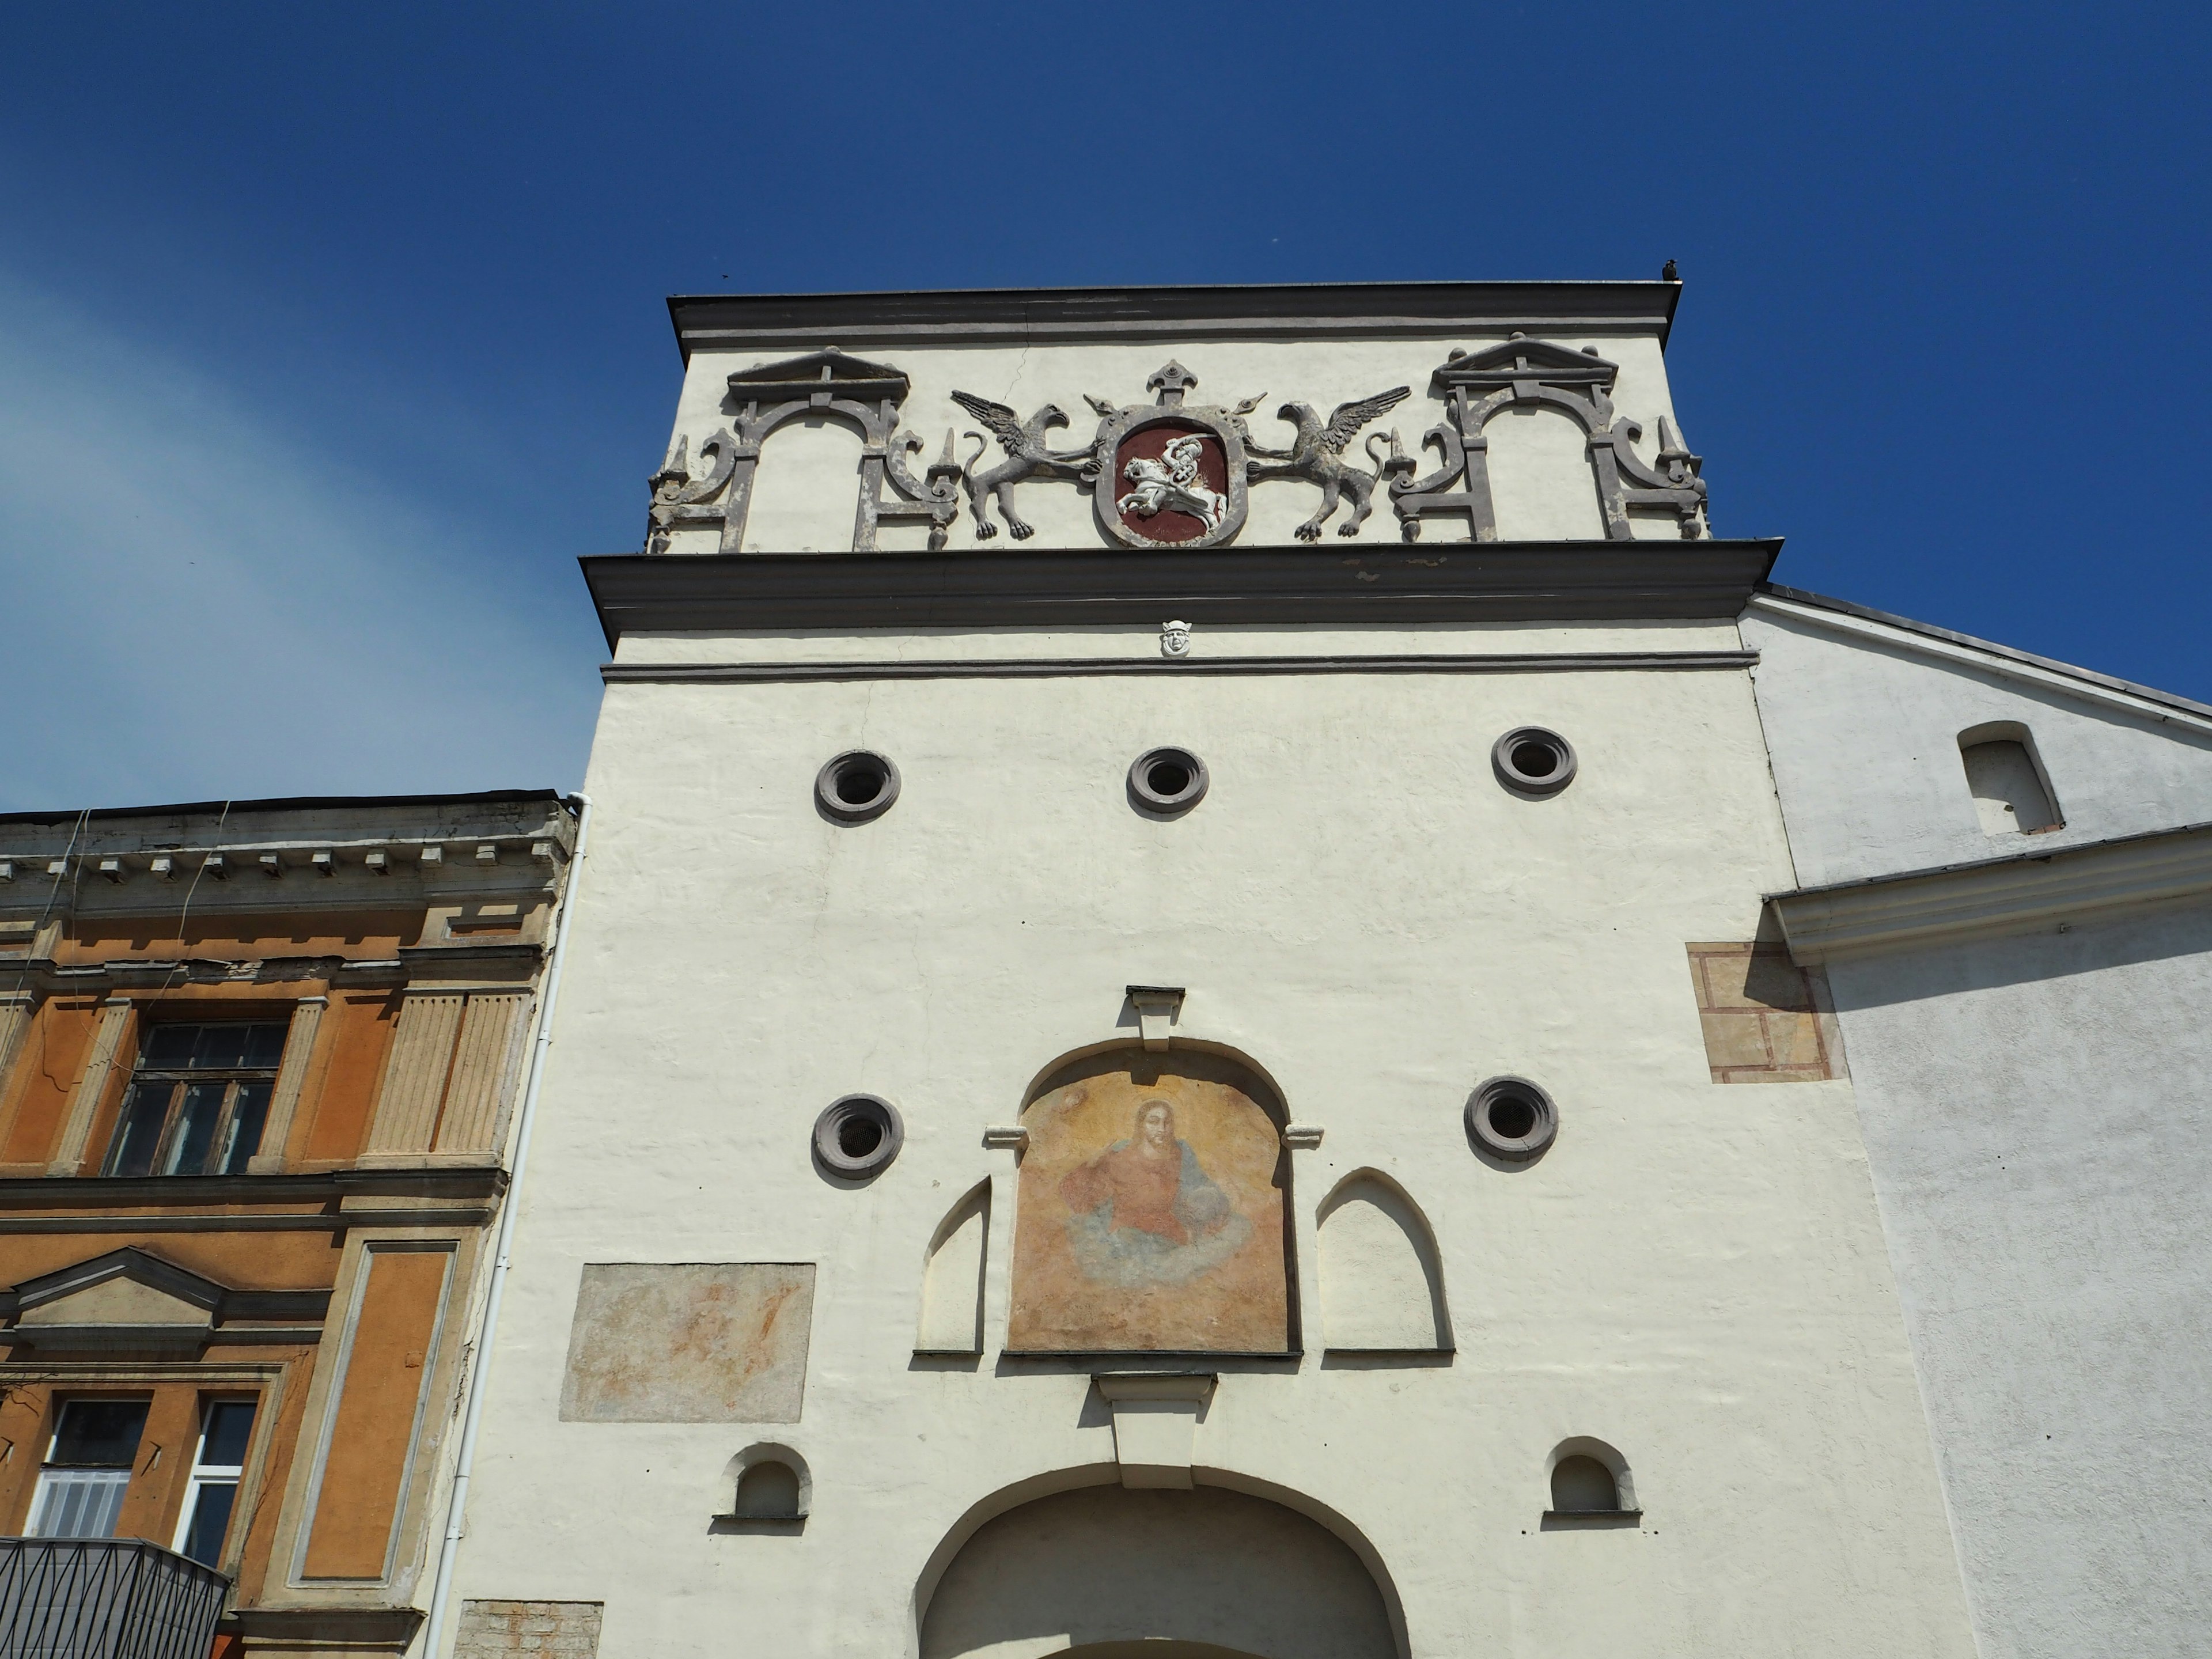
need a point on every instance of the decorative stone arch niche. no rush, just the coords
(1152, 1209)
(824, 384)
(1541, 374)
(1223, 1571)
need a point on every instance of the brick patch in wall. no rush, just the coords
(551, 1629)
(1766, 1019)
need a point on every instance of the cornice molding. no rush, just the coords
(972, 668)
(1291, 311)
(1042, 591)
(2023, 893)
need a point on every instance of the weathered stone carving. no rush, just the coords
(1475, 385)
(826, 382)
(1185, 461)
(1027, 456)
(1316, 455)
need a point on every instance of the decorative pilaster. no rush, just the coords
(16, 1008)
(291, 1076)
(91, 1087)
(415, 1080)
(483, 1069)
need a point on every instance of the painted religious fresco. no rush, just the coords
(1150, 1212)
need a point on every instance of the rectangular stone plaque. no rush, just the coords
(690, 1342)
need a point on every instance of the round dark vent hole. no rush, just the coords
(858, 1137)
(1512, 1118)
(1167, 781)
(855, 786)
(1531, 761)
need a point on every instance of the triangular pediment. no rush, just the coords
(124, 1287)
(1545, 362)
(828, 370)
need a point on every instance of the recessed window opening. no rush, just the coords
(1167, 778)
(1536, 760)
(218, 1465)
(1582, 1486)
(2012, 794)
(87, 1468)
(1512, 1117)
(856, 785)
(768, 1492)
(197, 1100)
(858, 1136)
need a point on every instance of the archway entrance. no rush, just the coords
(1205, 1574)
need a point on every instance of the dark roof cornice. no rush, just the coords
(1293, 310)
(1463, 581)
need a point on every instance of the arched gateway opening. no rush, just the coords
(1204, 1574)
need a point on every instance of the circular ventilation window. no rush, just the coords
(858, 1136)
(1533, 761)
(1510, 1117)
(1167, 780)
(857, 785)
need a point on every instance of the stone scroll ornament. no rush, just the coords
(1542, 374)
(865, 395)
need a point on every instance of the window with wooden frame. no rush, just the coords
(87, 1468)
(218, 1465)
(197, 1099)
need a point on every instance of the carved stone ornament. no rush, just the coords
(1476, 385)
(867, 395)
(1171, 473)
(1174, 639)
(1316, 455)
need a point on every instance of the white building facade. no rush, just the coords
(1144, 1077)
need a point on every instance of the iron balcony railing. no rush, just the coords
(105, 1598)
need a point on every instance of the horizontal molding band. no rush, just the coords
(2025, 893)
(1293, 310)
(1046, 591)
(1069, 668)
(321, 1222)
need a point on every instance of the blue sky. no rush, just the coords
(329, 338)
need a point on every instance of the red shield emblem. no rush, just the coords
(1172, 474)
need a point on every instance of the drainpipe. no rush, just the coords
(433, 1627)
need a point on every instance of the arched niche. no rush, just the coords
(1540, 476)
(1382, 1280)
(1190, 1575)
(809, 477)
(1582, 1472)
(1152, 1212)
(951, 1317)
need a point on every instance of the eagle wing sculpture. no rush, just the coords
(1345, 422)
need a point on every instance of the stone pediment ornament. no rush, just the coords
(766, 396)
(1476, 385)
(129, 1298)
(1171, 473)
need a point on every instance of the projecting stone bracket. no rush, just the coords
(1156, 1422)
(1157, 1007)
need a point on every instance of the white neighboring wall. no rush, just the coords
(2034, 1110)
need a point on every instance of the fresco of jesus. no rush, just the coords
(1145, 1212)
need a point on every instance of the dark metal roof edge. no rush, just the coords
(2012, 654)
(1013, 306)
(285, 804)
(2073, 849)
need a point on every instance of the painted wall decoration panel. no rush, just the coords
(1150, 1212)
(690, 1342)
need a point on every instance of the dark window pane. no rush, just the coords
(98, 1433)
(210, 1520)
(195, 1131)
(138, 1130)
(219, 1046)
(247, 1118)
(229, 1425)
(170, 1045)
(264, 1045)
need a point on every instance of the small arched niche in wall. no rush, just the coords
(772, 1491)
(1382, 1282)
(1150, 1211)
(1591, 1486)
(952, 1321)
(2012, 792)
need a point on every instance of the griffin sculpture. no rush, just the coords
(1317, 456)
(1027, 457)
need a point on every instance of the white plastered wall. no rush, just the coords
(2034, 1113)
(1694, 1274)
(1540, 478)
